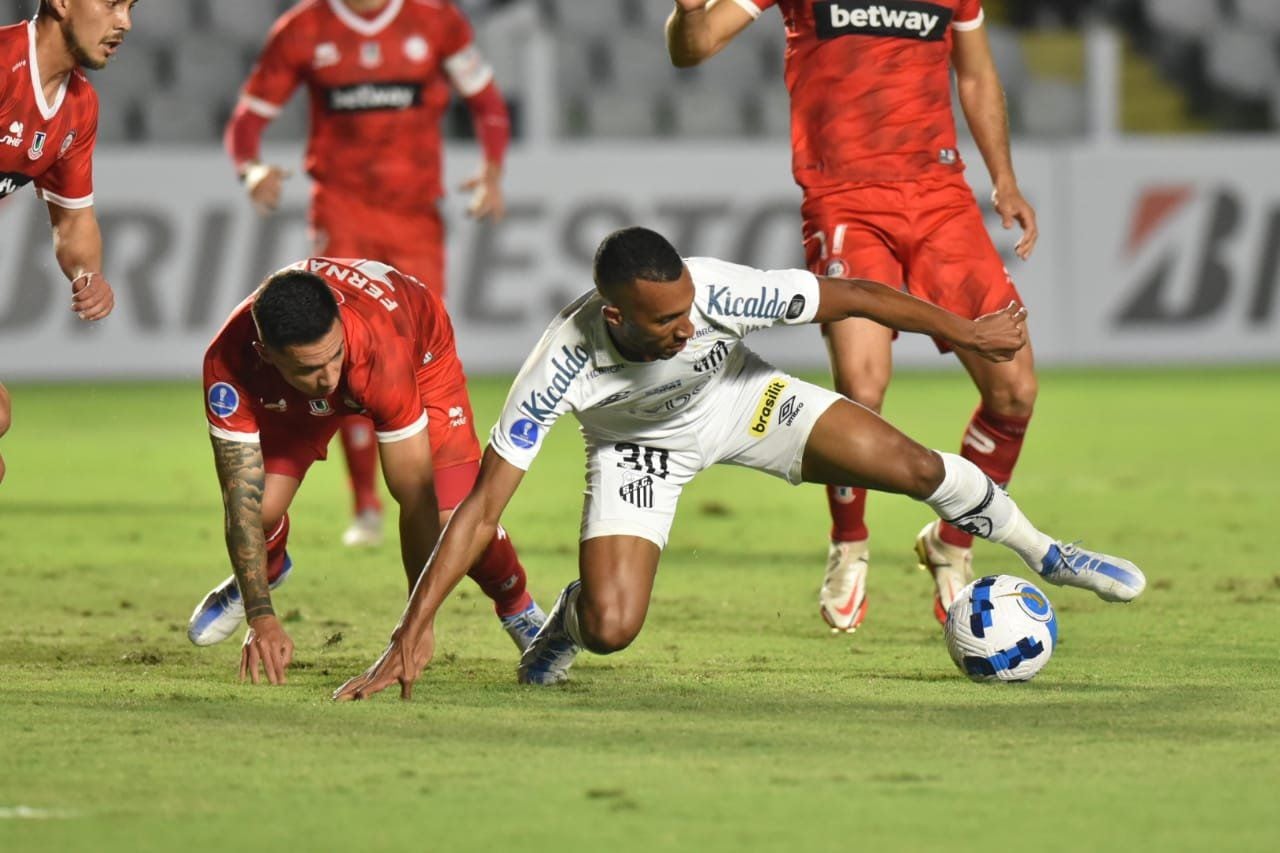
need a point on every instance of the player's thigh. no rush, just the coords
(455, 449)
(953, 262)
(277, 496)
(1007, 387)
(851, 445)
(617, 573)
(633, 489)
(768, 416)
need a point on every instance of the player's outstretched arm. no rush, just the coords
(995, 336)
(77, 244)
(474, 523)
(982, 99)
(699, 29)
(242, 476)
(410, 477)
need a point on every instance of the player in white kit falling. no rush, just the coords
(653, 366)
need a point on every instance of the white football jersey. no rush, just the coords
(576, 367)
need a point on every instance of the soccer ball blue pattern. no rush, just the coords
(1001, 628)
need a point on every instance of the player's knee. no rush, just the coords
(924, 471)
(867, 388)
(608, 629)
(1014, 397)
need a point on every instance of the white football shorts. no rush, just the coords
(759, 419)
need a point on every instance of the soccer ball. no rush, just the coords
(1001, 628)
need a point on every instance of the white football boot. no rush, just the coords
(1112, 578)
(221, 612)
(522, 627)
(365, 530)
(552, 652)
(842, 601)
(950, 566)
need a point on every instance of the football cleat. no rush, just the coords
(549, 656)
(842, 601)
(365, 530)
(950, 566)
(1112, 578)
(522, 627)
(222, 611)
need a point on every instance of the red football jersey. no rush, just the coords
(399, 346)
(870, 85)
(378, 88)
(49, 143)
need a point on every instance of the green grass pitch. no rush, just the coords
(735, 722)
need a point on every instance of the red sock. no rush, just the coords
(848, 513)
(500, 575)
(992, 442)
(362, 462)
(276, 540)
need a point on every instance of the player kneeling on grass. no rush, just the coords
(317, 341)
(653, 366)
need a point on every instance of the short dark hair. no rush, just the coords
(634, 253)
(293, 307)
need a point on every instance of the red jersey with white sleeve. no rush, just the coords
(399, 352)
(378, 88)
(870, 84)
(49, 143)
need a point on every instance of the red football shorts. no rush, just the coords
(926, 237)
(343, 227)
(290, 446)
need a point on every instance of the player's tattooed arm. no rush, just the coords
(242, 475)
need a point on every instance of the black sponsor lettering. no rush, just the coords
(492, 257)
(1150, 306)
(892, 18)
(11, 182)
(367, 97)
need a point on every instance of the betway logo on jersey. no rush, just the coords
(893, 18)
(11, 182)
(768, 305)
(541, 405)
(364, 97)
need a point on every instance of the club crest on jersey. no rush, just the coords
(370, 54)
(223, 400)
(37, 146)
(66, 142)
(416, 49)
(320, 408)
(836, 268)
(892, 18)
(326, 55)
(948, 156)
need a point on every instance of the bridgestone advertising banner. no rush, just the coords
(1148, 253)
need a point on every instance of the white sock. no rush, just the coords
(571, 626)
(969, 499)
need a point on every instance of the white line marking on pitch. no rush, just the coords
(28, 813)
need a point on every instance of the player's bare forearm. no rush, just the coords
(982, 99)
(699, 29)
(77, 240)
(842, 298)
(419, 532)
(468, 533)
(242, 476)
